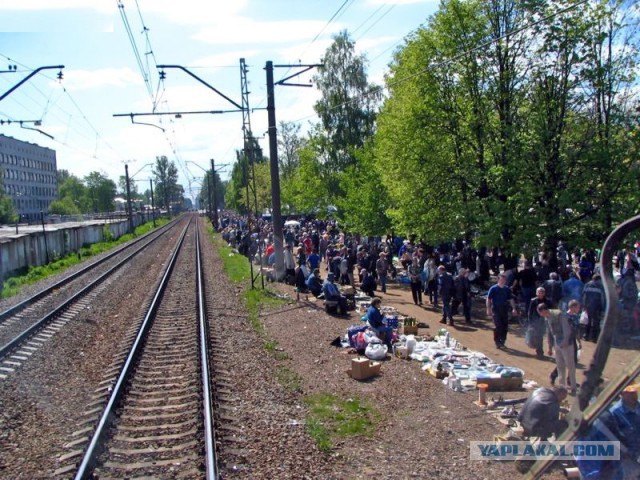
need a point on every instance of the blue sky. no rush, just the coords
(101, 76)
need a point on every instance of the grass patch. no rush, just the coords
(331, 417)
(14, 284)
(289, 379)
(238, 270)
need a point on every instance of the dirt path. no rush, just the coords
(480, 337)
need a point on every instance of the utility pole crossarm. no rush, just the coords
(202, 82)
(306, 68)
(159, 114)
(39, 69)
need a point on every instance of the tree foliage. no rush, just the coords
(347, 107)
(101, 191)
(290, 142)
(167, 189)
(64, 206)
(250, 176)
(521, 142)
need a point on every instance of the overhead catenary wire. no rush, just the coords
(144, 72)
(337, 14)
(384, 14)
(69, 117)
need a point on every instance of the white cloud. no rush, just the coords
(105, 77)
(223, 60)
(41, 5)
(194, 12)
(244, 30)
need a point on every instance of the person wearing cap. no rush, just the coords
(382, 267)
(626, 413)
(332, 294)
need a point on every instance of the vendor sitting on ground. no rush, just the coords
(540, 415)
(374, 320)
(314, 284)
(368, 284)
(332, 294)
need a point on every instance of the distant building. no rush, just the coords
(29, 176)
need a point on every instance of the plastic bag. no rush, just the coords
(411, 344)
(376, 351)
(584, 318)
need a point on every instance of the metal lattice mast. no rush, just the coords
(249, 173)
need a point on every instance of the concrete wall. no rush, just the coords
(29, 249)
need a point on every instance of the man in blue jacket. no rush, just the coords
(445, 291)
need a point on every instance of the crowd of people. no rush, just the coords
(559, 300)
(442, 276)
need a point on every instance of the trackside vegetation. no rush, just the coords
(13, 285)
(331, 417)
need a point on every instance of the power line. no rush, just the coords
(391, 7)
(338, 13)
(134, 46)
(455, 58)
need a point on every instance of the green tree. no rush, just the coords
(289, 145)
(167, 189)
(64, 206)
(347, 107)
(72, 188)
(514, 140)
(306, 191)
(101, 192)
(219, 189)
(8, 212)
(363, 208)
(242, 177)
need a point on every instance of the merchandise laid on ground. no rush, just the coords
(441, 355)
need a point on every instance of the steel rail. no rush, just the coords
(12, 344)
(88, 461)
(209, 431)
(46, 291)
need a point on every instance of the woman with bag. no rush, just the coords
(536, 325)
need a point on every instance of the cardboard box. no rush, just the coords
(410, 330)
(363, 368)
(502, 383)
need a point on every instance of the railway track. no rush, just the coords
(25, 326)
(157, 422)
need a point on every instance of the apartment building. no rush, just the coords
(28, 174)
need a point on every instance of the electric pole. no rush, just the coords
(129, 210)
(214, 217)
(276, 214)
